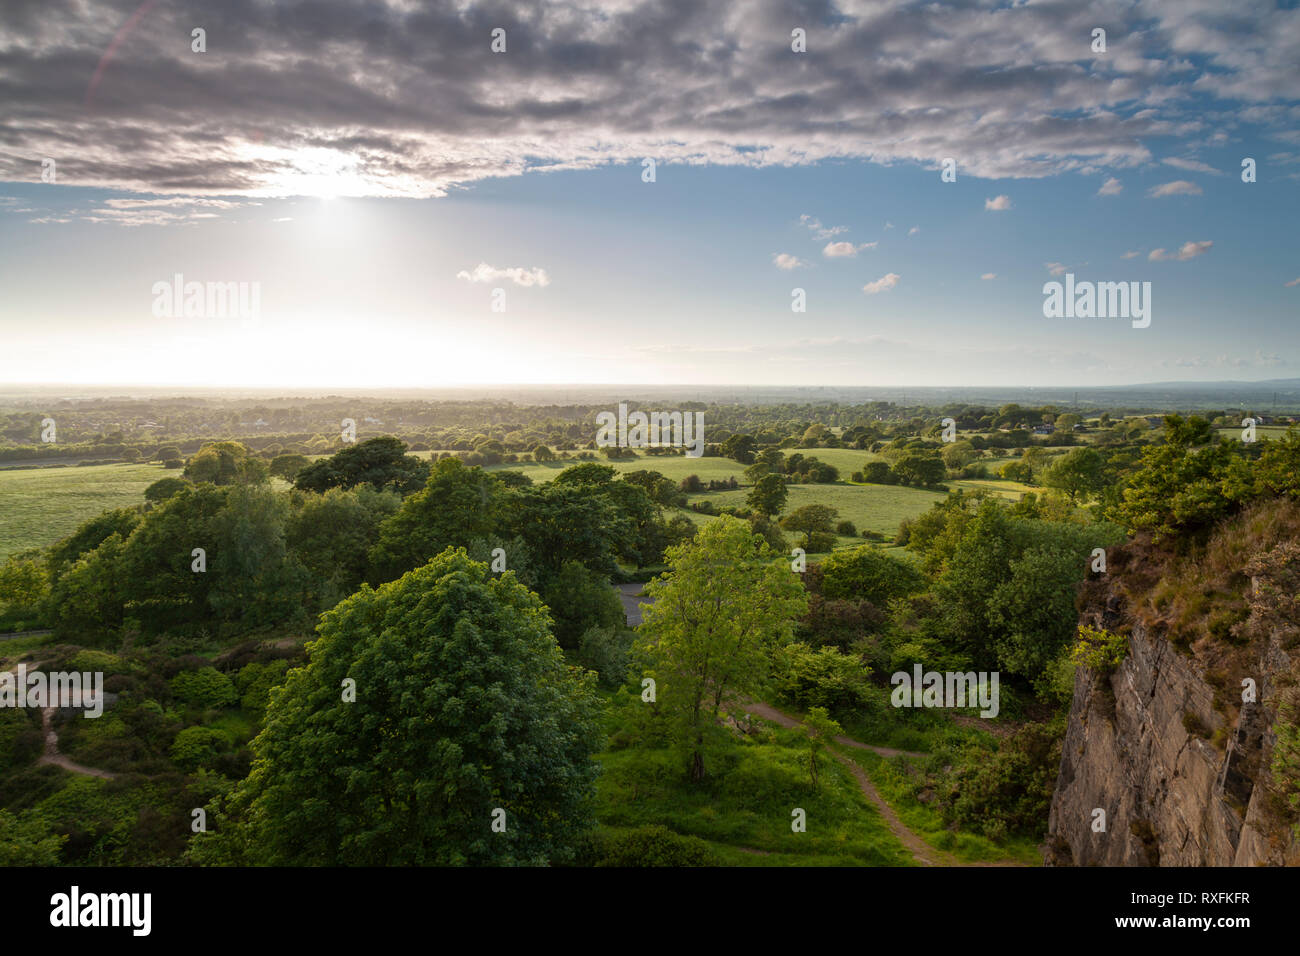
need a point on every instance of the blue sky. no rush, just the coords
(366, 277)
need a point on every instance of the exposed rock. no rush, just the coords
(1140, 745)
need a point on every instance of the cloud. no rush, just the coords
(519, 276)
(1291, 284)
(998, 203)
(1055, 268)
(818, 230)
(889, 225)
(1179, 187)
(1131, 254)
(841, 250)
(1111, 187)
(314, 97)
(783, 260)
(883, 284)
(1188, 250)
(1191, 165)
(989, 275)
(914, 230)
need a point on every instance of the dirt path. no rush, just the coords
(921, 851)
(52, 754)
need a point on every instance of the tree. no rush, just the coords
(920, 469)
(543, 453)
(24, 583)
(464, 704)
(866, 573)
(821, 730)
(878, 473)
(164, 488)
(580, 599)
(457, 505)
(811, 518)
(1078, 473)
(331, 536)
(288, 466)
(379, 462)
(224, 463)
(718, 611)
(167, 452)
(768, 496)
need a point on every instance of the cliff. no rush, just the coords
(1169, 744)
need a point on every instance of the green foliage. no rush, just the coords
(1078, 473)
(331, 535)
(205, 687)
(717, 613)
(164, 488)
(456, 506)
(821, 730)
(197, 747)
(379, 462)
(288, 466)
(1099, 649)
(225, 463)
(24, 583)
(255, 680)
(26, 840)
(825, 677)
(653, 846)
(607, 651)
(580, 599)
(866, 573)
(768, 496)
(463, 704)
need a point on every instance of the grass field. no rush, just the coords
(38, 506)
(743, 810)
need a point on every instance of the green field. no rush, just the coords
(38, 506)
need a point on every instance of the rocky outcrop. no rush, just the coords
(1182, 778)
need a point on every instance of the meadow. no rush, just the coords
(39, 506)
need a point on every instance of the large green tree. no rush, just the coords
(463, 705)
(724, 604)
(379, 462)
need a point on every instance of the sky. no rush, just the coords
(404, 206)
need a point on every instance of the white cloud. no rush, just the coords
(1179, 187)
(882, 284)
(1055, 268)
(1111, 187)
(914, 230)
(998, 203)
(1131, 254)
(1191, 165)
(842, 250)
(818, 230)
(1188, 250)
(783, 260)
(1292, 283)
(989, 275)
(516, 274)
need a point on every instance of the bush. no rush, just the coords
(867, 573)
(1099, 650)
(605, 650)
(206, 687)
(653, 846)
(174, 463)
(196, 747)
(847, 528)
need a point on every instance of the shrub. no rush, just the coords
(654, 846)
(1099, 649)
(206, 687)
(847, 528)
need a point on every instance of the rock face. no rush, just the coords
(1180, 783)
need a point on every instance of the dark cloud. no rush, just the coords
(405, 97)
